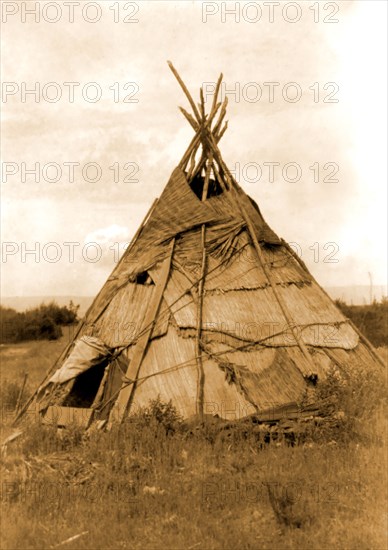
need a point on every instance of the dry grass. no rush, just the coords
(142, 486)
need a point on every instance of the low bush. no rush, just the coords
(370, 319)
(40, 323)
(352, 404)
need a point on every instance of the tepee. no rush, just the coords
(208, 308)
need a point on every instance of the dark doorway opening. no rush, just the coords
(85, 387)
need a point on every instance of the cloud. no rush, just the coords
(108, 235)
(152, 134)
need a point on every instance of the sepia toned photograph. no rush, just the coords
(194, 303)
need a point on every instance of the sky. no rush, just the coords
(103, 131)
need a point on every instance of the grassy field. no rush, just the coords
(145, 486)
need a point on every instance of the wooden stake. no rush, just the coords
(21, 393)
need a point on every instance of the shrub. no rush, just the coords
(158, 414)
(353, 402)
(40, 323)
(371, 319)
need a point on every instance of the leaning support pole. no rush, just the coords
(198, 345)
(208, 136)
(194, 144)
(185, 90)
(362, 337)
(279, 299)
(202, 161)
(368, 344)
(251, 230)
(127, 391)
(201, 372)
(21, 392)
(201, 126)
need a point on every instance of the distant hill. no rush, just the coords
(357, 295)
(21, 303)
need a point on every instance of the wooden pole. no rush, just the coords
(221, 117)
(125, 397)
(199, 359)
(185, 90)
(362, 337)
(282, 304)
(201, 372)
(251, 230)
(194, 144)
(198, 350)
(20, 396)
(201, 163)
